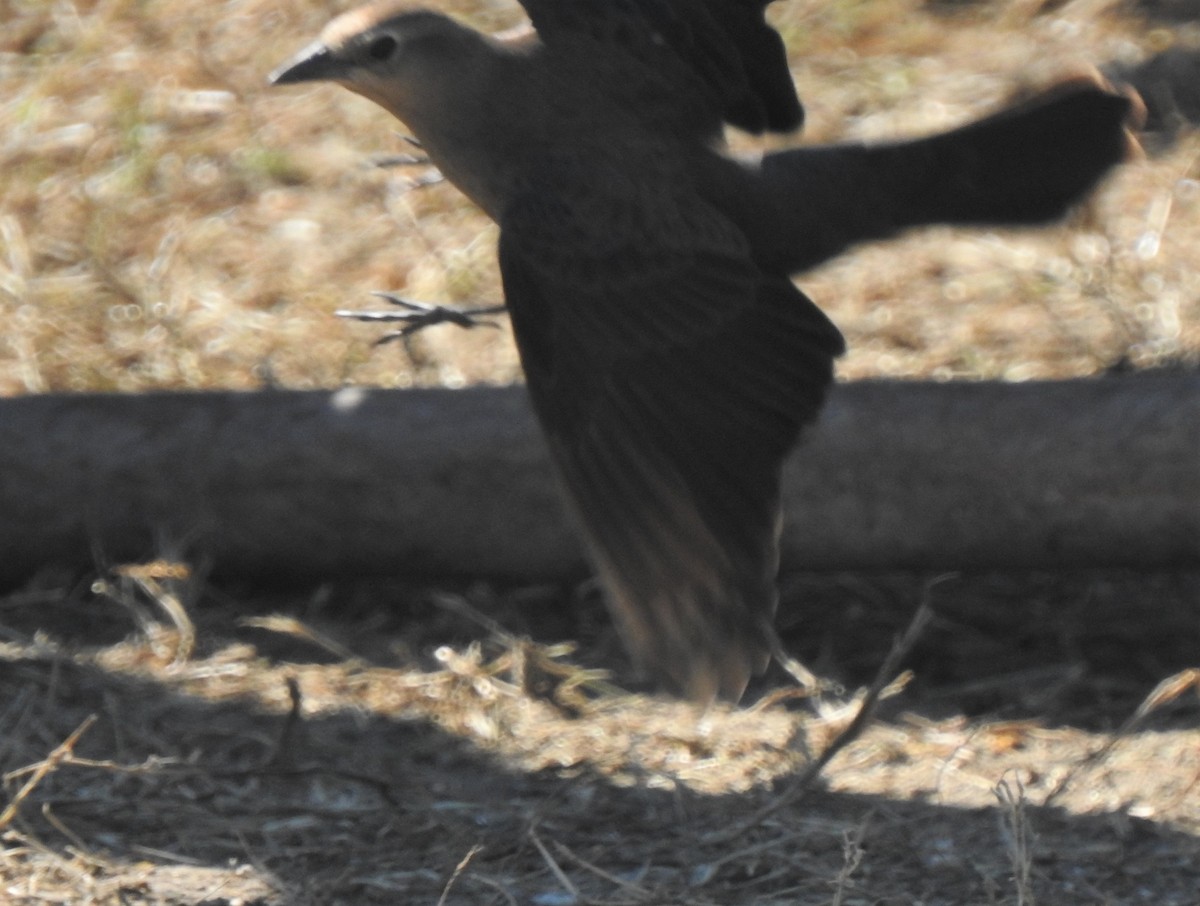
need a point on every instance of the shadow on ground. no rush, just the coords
(412, 772)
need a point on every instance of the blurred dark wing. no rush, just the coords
(764, 62)
(726, 44)
(1025, 164)
(671, 378)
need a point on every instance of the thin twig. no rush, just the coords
(282, 748)
(51, 763)
(59, 825)
(1165, 692)
(1015, 825)
(553, 865)
(884, 680)
(852, 856)
(630, 886)
(291, 626)
(458, 870)
(809, 683)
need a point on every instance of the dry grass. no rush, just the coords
(168, 221)
(442, 761)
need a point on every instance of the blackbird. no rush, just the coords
(670, 360)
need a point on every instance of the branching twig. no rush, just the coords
(51, 763)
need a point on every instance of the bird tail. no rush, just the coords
(1026, 164)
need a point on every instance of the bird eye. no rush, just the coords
(382, 48)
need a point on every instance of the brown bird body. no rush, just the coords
(670, 359)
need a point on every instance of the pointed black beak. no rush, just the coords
(316, 63)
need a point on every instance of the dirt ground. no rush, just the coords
(166, 221)
(390, 744)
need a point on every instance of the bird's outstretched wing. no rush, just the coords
(671, 377)
(736, 57)
(1025, 164)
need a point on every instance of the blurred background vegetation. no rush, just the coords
(167, 220)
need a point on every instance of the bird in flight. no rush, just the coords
(670, 360)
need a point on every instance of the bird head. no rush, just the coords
(398, 55)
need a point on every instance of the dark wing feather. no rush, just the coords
(730, 51)
(764, 62)
(671, 378)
